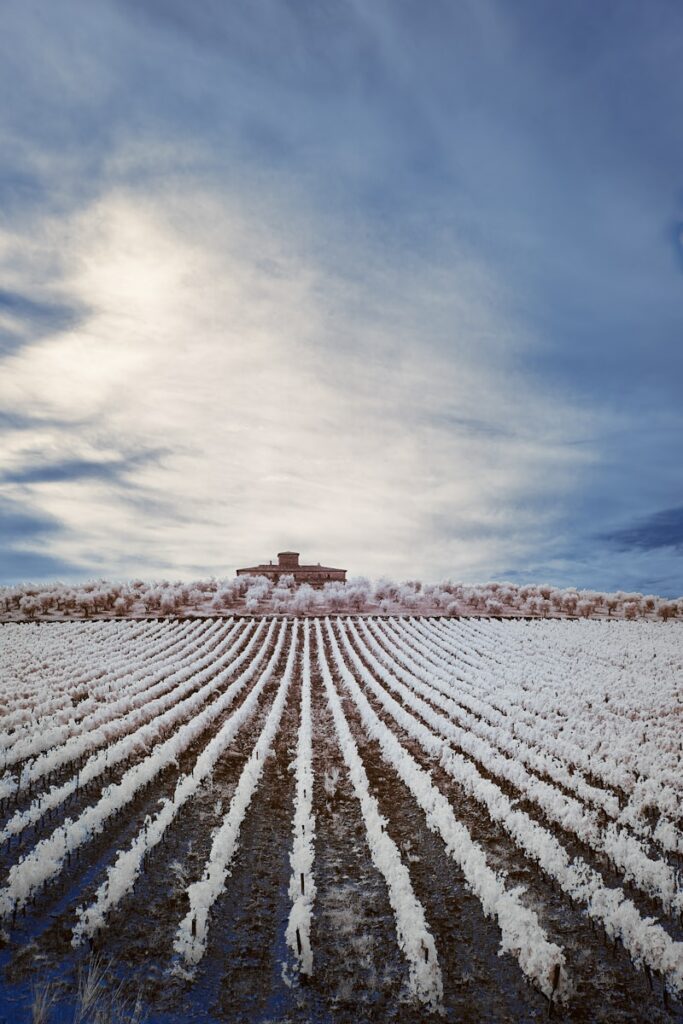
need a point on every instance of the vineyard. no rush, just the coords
(343, 818)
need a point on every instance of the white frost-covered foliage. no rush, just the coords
(258, 595)
(298, 933)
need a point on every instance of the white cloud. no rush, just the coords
(302, 398)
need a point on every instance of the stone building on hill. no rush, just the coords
(288, 564)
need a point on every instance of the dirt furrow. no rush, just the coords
(358, 970)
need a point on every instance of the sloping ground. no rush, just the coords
(344, 819)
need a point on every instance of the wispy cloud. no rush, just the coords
(114, 471)
(19, 522)
(661, 530)
(284, 411)
(26, 535)
(394, 285)
(23, 319)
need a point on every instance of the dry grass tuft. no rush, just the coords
(44, 998)
(97, 1002)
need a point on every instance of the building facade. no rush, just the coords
(288, 564)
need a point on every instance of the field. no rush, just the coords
(342, 819)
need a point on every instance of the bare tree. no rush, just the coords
(667, 610)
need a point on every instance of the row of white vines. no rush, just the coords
(302, 884)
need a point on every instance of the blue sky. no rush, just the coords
(399, 285)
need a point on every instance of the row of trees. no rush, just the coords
(256, 595)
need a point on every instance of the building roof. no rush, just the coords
(288, 564)
(285, 569)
